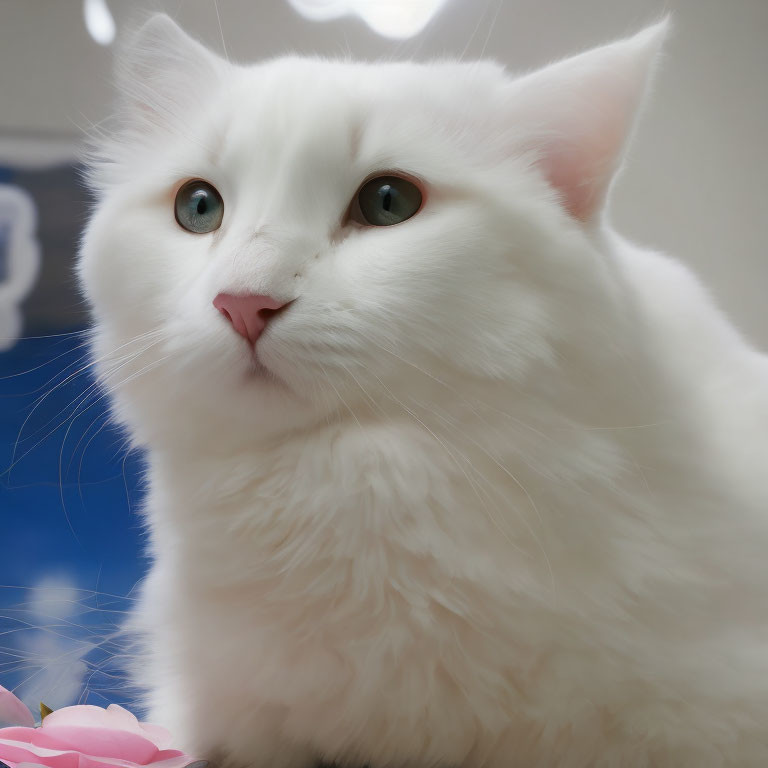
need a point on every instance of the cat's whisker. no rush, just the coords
(88, 593)
(75, 403)
(70, 377)
(47, 362)
(372, 542)
(454, 392)
(63, 335)
(51, 662)
(221, 29)
(465, 436)
(491, 27)
(470, 39)
(367, 396)
(343, 401)
(82, 437)
(452, 456)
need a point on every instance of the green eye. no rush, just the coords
(387, 200)
(199, 207)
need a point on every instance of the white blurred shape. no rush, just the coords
(54, 597)
(397, 19)
(54, 603)
(19, 258)
(60, 674)
(99, 21)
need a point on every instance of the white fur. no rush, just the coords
(503, 500)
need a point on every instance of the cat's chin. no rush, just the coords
(256, 372)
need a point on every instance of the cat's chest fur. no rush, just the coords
(345, 583)
(374, 589)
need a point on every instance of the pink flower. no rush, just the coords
(84, 737)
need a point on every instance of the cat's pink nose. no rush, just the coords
(248, 313)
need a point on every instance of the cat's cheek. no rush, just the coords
(101, 271)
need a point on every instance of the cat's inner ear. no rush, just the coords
(163, 75)
(577, 114)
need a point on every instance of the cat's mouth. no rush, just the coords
(258, 372)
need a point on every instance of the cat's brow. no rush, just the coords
(355, 140)
(216, 147)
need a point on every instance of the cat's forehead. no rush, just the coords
(348, 108)
(302, 78)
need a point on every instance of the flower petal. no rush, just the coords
(101, 742)
(12, 711)
(113, 717)
(81, 715)
(30, 765)
(15, 753)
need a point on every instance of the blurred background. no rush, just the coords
(70, 532)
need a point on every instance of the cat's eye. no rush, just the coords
(199, 207)
(386, 200)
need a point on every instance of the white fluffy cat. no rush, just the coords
(491, 487)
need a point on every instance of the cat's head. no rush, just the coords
(278, 243)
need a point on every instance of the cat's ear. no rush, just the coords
(162, 73)
(578, 114)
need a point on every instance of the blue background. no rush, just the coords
(70, 531)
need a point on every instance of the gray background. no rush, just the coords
(696, 183)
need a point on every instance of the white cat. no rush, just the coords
(442, 471)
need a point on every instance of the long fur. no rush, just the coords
(497, 496)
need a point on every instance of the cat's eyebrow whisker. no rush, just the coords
(106, 144)
(221, 30)
(490, 29)
(480, 19)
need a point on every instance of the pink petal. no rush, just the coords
(84, 715)
(12, 711)
(113, 717)
(104, 742)
(13, 753)
(160, 736)
(30, 765)
(27, 765)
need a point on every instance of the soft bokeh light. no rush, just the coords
(55, 659)
(99, 21)
(397, 19)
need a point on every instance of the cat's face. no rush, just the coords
(417, 224)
